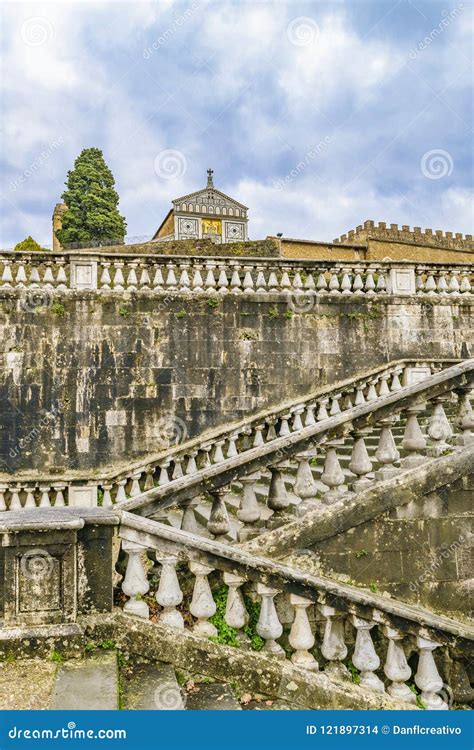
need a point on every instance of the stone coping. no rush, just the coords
(49, 519)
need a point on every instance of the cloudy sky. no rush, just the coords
(317, 115)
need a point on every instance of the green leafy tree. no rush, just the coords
(92, 202)
(29, 245)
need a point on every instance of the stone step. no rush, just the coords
(87, 684)
(213, 696)
(152, 687)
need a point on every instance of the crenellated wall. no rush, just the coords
(93, 378)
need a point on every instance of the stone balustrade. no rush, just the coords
(161, 274)
(388, 645)
(354, 445)
(186, 459)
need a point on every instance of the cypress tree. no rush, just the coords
(92, 203)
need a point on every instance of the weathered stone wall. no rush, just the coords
(420, 553)
(93, 380)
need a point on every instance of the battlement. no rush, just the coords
(416, 236)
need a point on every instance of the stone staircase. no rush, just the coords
(103, 680)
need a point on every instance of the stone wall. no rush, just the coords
(93, 379)
(419, 553)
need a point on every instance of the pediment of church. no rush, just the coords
(206, 197)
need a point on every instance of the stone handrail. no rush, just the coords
(353, 425)
(335, 605)
(164, 274)
(118, 485)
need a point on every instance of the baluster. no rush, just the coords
(384, 389)
(309, 419)
(135, 583)
(285, 282)
(333, 647)
(364, 657)
(135, 488)
(332, 475)
(248, 281)
(430, 285)
(297, 284)
(322, 410)
(309, 284)
(232, 446)
(178, 467)
(169, 593)
(333, 283)
(21, 275)
(297, 422)
(358, 284)
(118, 277)
(258, 440)
(268, 626)
(191, 467)
(210, 282)
(45, 501)
(301, 636)
(34, 275)
(59, 499)
(395, 384)
(465, 287)
(439, 429)
(202, 605)
(218, 454)
(105, 280)
(218, 523)
(442, 285)
(149, 481)
(277, 495)
(15, 502)
(261, 283)
(272, 284)
(346, 283)
(3, 491)
(132, 280)
(427, 677)
(271, 432)
(284, 430)
(236, 615)
(387, 453)
(464, 417)
(371, 392)
(235, 282)
(121, 496)
(144, 277)
(184, 282)
(158, 280)
(206, 459)
(7, 276)
(107, 498)
(360, 463)
(321, 284)
(198, 283)
(359, 397)
(171, 281)
(61, 277)
(305, 487)
(396, 667)
(369, 285)
(164, 478)
(222, 281)
(249, 511)
(48, 279)
(335, 408)
(30, 501)
(381, 283)
(413, 439)
(453, 287)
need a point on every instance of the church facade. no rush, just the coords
(205, 214)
